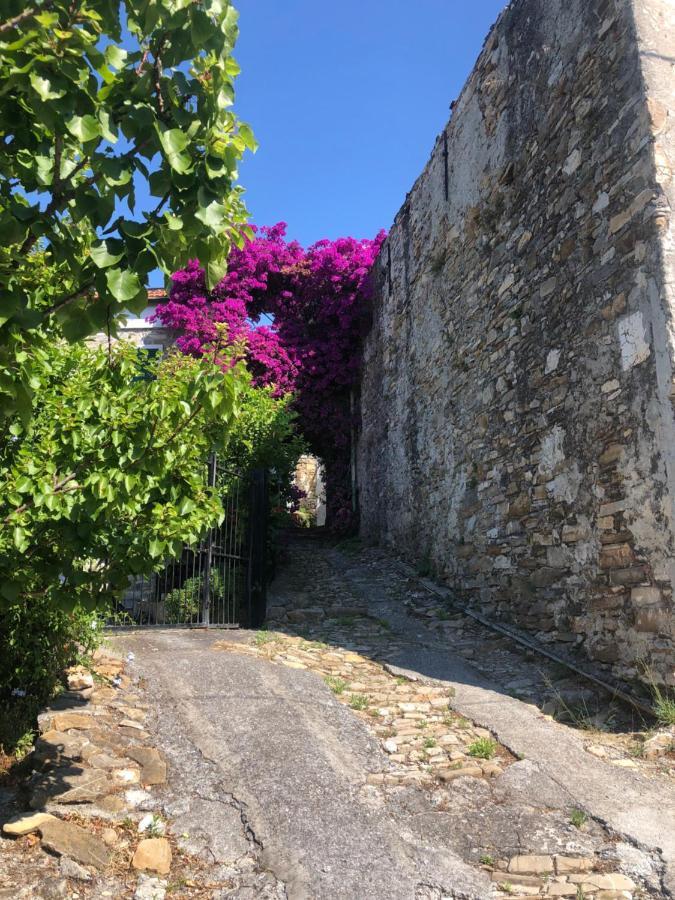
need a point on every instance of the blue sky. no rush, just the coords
(346, 100)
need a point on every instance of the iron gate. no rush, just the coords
(222, 581)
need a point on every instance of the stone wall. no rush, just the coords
(309, 477)
(517, 417)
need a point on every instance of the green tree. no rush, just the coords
(264, 434)
(95, 97)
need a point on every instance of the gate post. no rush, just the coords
(256, 581)
(206, 584)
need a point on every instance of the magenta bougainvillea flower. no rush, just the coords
(316, 302)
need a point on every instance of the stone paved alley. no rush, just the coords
(369, 743)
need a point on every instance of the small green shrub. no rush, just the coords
(37, 642)
(483, 748)
(184, 604)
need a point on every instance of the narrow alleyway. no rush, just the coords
(374, 746)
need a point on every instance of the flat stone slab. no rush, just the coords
(57, 747)
(73, 785)
(153, 767)
(66, 839)
(26, 824)
(64, 721)
(153, 855)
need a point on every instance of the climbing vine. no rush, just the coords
(298, 316)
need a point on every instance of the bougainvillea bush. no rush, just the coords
(299, 316)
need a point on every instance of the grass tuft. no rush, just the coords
(578, 818)
(337, 685)
(664, 708)
(483, 748)
(358, 701)
(263, 637)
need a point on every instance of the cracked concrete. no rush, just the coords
(296, 760)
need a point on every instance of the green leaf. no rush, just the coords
(174, 223)
(43, 87)
(213, 215)
(156, 548)
(187, 506)
(84, 128)
(108, 128)
(20, 539)
(115, 56)
(23, 485)
(216, 270)
(103, 257)
(174, 143)
(123, 284)
(248, 138)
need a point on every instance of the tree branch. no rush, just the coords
(67, 190)
(59, 488)
(78, 292)
(157, 70)
(10, 24)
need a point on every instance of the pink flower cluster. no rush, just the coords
(318, 301)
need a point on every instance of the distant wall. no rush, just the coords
(517, 423)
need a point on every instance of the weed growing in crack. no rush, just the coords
(578, 818)
(337, 685)
(358, 701)
(156, 828)
(429, 743)
(506, 887)
(263, 637)
(487, 860)
(483, 748)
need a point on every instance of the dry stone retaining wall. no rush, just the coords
(517, 395)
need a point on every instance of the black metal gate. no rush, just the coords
(221, 582)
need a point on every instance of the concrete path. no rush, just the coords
(296, 762)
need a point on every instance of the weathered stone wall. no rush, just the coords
(309, 477)
(517, 417)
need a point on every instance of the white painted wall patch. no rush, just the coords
(632, 340)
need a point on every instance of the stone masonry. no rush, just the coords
(517, 428)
